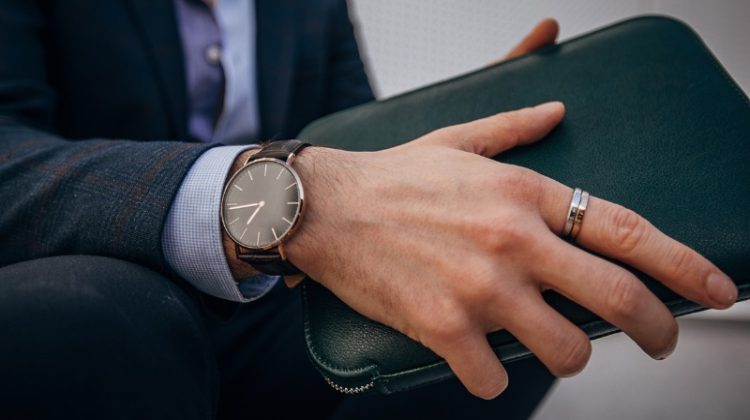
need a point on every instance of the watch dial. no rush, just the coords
(261, 203)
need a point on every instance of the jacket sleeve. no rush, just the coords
(347, 81)
(98, 196)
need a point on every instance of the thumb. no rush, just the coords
(543, 34)
(493, 135)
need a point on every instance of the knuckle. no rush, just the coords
(449, 132)
(531, 185)
(624, 296)
(573, 356)
(521, 182)
(443, 328)
(453, 134)
(508, 125)
(679, 262)
(518, 186)
(503, 235)
(629, 229)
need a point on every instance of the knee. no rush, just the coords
(84, 325)
(91, 298)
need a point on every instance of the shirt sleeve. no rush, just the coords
(192, 235)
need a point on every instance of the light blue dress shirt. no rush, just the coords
(192, 236)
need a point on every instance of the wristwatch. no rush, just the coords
(263, 204)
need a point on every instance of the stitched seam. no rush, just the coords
(384, 382)
(316, 355)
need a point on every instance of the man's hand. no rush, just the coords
(543, 34)
(446, 245)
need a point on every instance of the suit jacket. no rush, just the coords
(93, 116)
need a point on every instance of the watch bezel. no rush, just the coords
(297, 215)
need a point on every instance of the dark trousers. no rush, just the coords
(86, 337)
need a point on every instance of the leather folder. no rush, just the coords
(653, 123)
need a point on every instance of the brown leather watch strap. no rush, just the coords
(269, 263)
(280, 149)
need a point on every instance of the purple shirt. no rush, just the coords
(219, 50)
(201, 49)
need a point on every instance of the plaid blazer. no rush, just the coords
(93, 115)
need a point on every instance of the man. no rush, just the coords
(118, 272)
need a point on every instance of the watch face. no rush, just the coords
(261, 203)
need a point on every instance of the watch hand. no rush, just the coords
(243, 206)
(260, 205)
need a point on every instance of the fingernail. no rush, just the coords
(721, 290)
(550, 107)
(668, 352)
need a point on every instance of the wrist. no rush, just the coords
(323, 176)
(316, 170)
(326, 174)
(306, 164)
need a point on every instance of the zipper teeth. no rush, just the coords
(349, 390)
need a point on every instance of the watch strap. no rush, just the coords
(269, 263)
(281, 149)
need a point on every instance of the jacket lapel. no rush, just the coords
(275, 63)
(156, 22)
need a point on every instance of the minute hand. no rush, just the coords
(260, 205)
(243, 206)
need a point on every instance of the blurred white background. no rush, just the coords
(408, 44)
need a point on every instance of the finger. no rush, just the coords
(492, 135)
(612, 230)
(471, 358)
(543, 34)
(608, 290)
(557, 342)
(621, 233)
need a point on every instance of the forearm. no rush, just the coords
(97, 197)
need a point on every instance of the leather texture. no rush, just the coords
(653, 122)
(280, 149)
(269, 262)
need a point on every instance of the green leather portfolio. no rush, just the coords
(653, 122)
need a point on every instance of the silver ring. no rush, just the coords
(578, 205)
(572, 210)
(579, 215)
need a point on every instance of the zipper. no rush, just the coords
(347, 389)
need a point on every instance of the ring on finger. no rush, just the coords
(579, 215)
(574, 219)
